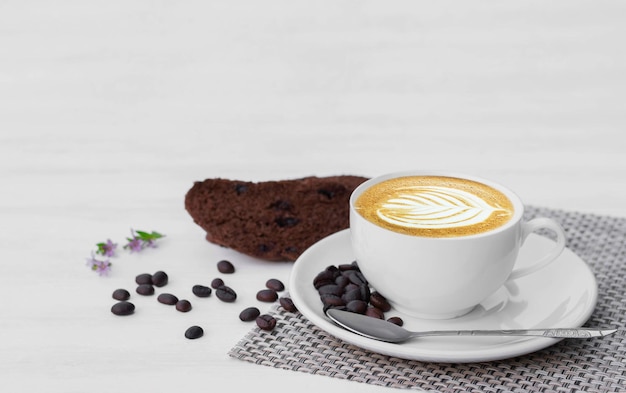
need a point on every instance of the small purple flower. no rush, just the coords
(107, 249)
(135, 243)
(103, 267)
(141, 240)
(91, 262)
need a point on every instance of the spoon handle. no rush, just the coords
(379, 329)
(554, 333)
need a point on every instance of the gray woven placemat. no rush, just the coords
(597, 365)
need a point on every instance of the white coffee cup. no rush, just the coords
(444, 277)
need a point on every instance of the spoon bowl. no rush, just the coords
(379, 329)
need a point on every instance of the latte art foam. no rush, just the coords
(434, 206)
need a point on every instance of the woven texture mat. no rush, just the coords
(596, 365)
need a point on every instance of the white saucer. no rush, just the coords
(563, 294)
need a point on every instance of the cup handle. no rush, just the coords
(528, 228)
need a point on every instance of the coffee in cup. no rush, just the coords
(437, 244)
(434, 206)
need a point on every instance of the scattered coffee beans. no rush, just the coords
(123, 308)
(342, 286)
(183, 305)
(144, 278)
(159, 279)
(226, 294)
(216, 283)
(201, 291)
(267, 295)
(225, 267)
(397, 320)
(121, 294)
(249, 314)
(194, 332)
(167, 298)
(275, 284)
(266, 322)
(145, 289)
(287, 304)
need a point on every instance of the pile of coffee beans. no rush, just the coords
(344, 287)
(147, 282)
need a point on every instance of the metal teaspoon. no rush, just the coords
(382, 330)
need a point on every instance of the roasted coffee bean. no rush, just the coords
(167, 298)
(287, 304)
(160, 279)
(347, 266)
(375, 313)
(332, 300)
(183, 305)
(275, 284)
(121, 294)
(357, 306)
(201, 291)
(123, 308)
(356, 277)
(249, 314)
(145, 290)
(144, 278)
(326, 277)
(379, 301)
(225, 267)
(352, 294)
(194, 332)
(342, 281)
(396, 320)
(266, 322)
(330, 289)
(216, 283)
(365, 292)
(266, 295)
(226, 294)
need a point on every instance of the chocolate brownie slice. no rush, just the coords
(272, 220)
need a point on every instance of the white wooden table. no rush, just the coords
(110, 110)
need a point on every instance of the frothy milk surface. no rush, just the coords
(434, 206)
